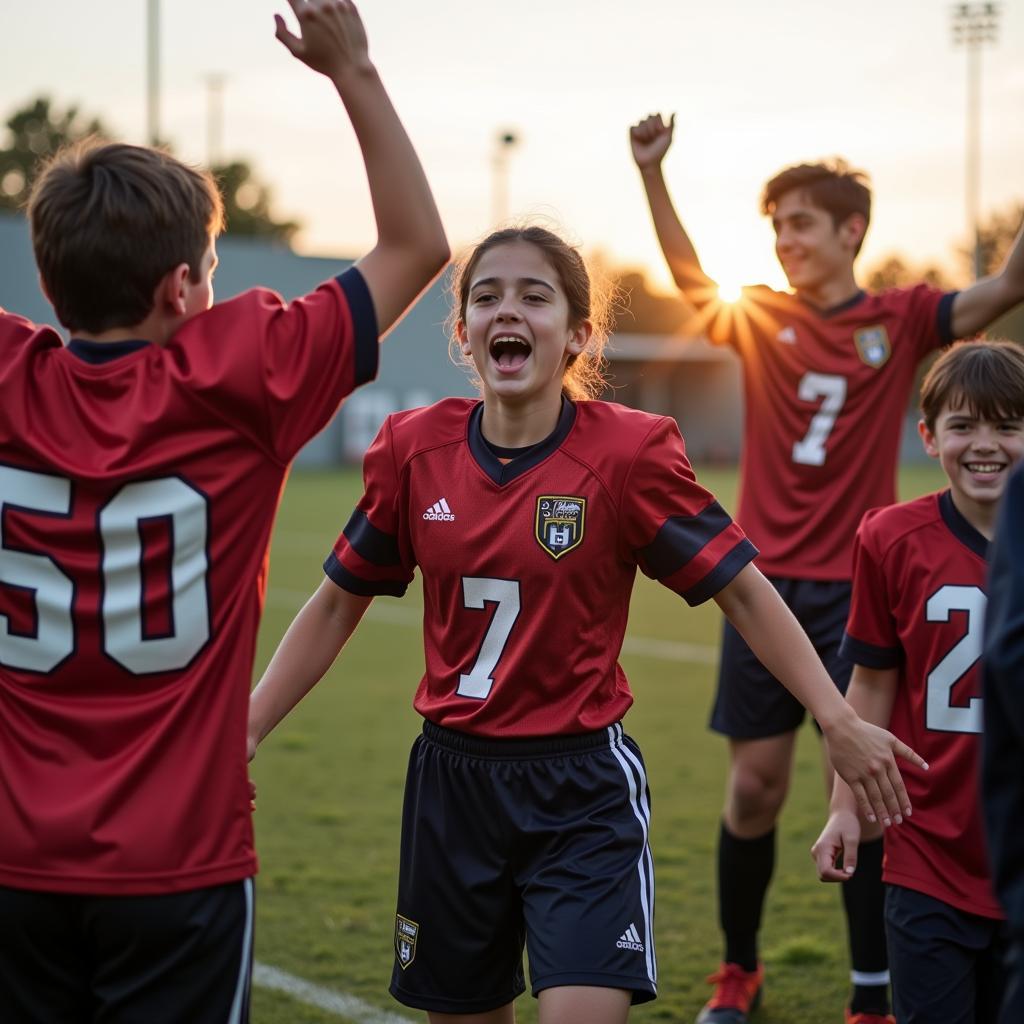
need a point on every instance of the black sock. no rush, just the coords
(864, 900)
(745, 868)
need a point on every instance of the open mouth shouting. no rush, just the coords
(509, 352)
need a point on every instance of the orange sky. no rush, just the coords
(755, 87)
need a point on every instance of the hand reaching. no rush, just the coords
(650, 139)
(839, 838)
(331, 37)
(864, 756)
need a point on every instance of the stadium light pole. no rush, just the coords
(214, 119)
(505, 141)
(974, 25)
(153, 72)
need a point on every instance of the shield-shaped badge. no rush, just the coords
(873, 345)
(559, 523)
(406, 933)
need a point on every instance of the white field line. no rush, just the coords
(340, 1003)
(386, 611)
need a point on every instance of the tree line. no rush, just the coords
(39, 128)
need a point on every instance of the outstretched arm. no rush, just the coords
(411, 247)
(871, 694)
(988, 299)
(306, 652)
(862, 754)
(650, 140)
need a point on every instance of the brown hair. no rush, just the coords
(986, 377)
(584, 374)
(831, 185)
(108, 221)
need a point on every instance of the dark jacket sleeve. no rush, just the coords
(1003, 673)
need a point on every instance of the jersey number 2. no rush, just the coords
(121, 564)
(940, 714)
(478, 592)
(831, 388)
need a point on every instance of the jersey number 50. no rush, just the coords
(120, 546)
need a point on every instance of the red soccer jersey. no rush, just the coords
(138, 485)
(528, 566)
(825, 397)
(918, 604)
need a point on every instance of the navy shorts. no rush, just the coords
(946, 964)
(1012, 1011)
(751, 704)
(506, 842)
(168, 959)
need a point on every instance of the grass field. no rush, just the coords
(330, 787)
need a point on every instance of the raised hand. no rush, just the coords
(331, 36)
(650, 139)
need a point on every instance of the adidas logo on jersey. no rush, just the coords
(631, 939)
(440, 512)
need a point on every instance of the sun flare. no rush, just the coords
(730, 291)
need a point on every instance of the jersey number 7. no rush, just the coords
(478, 592)
(831, 388)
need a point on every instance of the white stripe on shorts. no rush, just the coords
(645, 865)
(241, 988)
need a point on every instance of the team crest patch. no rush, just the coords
(559, 523)
(873, 345)
(406, 933)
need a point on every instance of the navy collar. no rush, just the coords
(960, 527)
(532, 456)
(842, 307)
(104, 351)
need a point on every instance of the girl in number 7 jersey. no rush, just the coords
(528, 513)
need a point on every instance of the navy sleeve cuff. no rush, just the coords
(944, 318)
(376, 546)
(364, 322)
(722, 575)
(355, 585)
(681, 538)
(870, 655)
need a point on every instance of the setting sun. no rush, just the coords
(730, 291)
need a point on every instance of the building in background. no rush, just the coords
(684, 377)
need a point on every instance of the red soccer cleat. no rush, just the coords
(869, 1018)
(737, 992)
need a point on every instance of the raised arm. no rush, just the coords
(871, 694)
(650, 140)
(863, 754)
(411, 247)
(988, 299)
(306, 652)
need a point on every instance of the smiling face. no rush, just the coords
(517, 325)
(812, 249)
(976, 453)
